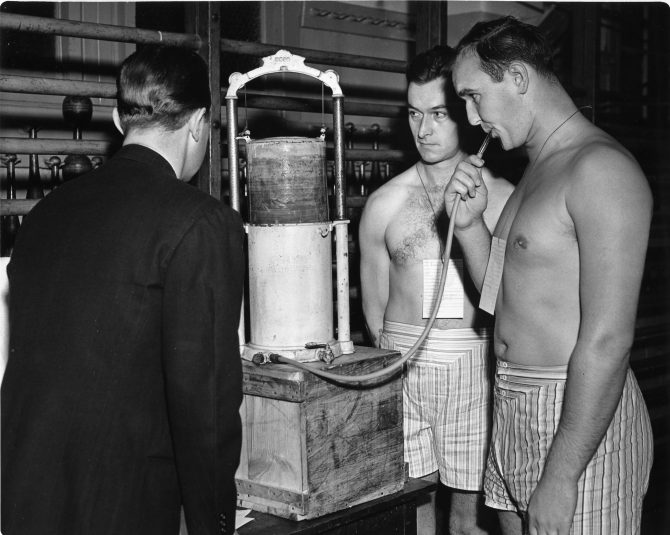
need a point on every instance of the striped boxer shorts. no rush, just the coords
(526, 411)
(446, 402)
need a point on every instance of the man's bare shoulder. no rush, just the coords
(602, 168)
(601, 157)
(392, 194)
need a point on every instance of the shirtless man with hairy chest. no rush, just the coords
(446, 385)
(415, 223)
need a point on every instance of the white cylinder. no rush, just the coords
(290, 285)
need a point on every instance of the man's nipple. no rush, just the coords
(520, 242)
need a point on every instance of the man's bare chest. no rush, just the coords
(414, 234)
(535, 224)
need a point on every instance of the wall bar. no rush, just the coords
(102, 32)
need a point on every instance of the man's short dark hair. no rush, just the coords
(502, 41)
(435, 64)
(161, 86)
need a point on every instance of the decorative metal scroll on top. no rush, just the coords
(284, 61)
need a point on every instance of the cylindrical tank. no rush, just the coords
(290, 285)
(287, 180)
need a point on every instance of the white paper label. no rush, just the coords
(493, 276)
(453, 297)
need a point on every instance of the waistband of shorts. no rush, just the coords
(545, 373)
(407, 329)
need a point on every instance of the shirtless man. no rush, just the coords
(571, 445)
(446, 386)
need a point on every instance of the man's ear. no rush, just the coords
(117, 120)
(520, 76)
(197, 123)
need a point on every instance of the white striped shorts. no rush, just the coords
(446, 402)
(526, 411)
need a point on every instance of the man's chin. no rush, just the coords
(506, 146)
(430, 158)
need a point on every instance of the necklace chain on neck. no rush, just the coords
(549, 137)
(504, 227)
(418, 172)
(425, 190)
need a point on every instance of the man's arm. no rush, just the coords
(202, 367)
(610, 205)
(470, 229)
(375, 264)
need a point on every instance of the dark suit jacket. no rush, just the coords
(121, 394)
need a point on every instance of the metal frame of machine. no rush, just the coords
(285, 62)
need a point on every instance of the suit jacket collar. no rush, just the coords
(148, 156)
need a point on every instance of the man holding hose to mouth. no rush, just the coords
(571, 445)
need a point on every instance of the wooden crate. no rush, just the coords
(312, 447)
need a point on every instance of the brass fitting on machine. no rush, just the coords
(324, 353)
(265, 358)
(260, 358)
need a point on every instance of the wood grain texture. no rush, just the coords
(312, 447)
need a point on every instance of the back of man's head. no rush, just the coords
(160, 87)
(435, 64)
(502, 41)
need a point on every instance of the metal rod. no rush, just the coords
(17, 145)
(341, 230)
(315, 56)
(235, 196)
(338, 157)
(343, 310)
(233, 163)
(102, 32)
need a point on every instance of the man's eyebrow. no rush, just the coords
(434, 108)
(465, 91)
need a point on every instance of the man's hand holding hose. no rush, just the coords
(468, 184)
(468, 190)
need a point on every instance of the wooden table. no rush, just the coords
(392, 514)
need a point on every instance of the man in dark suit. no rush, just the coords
(121, 395)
